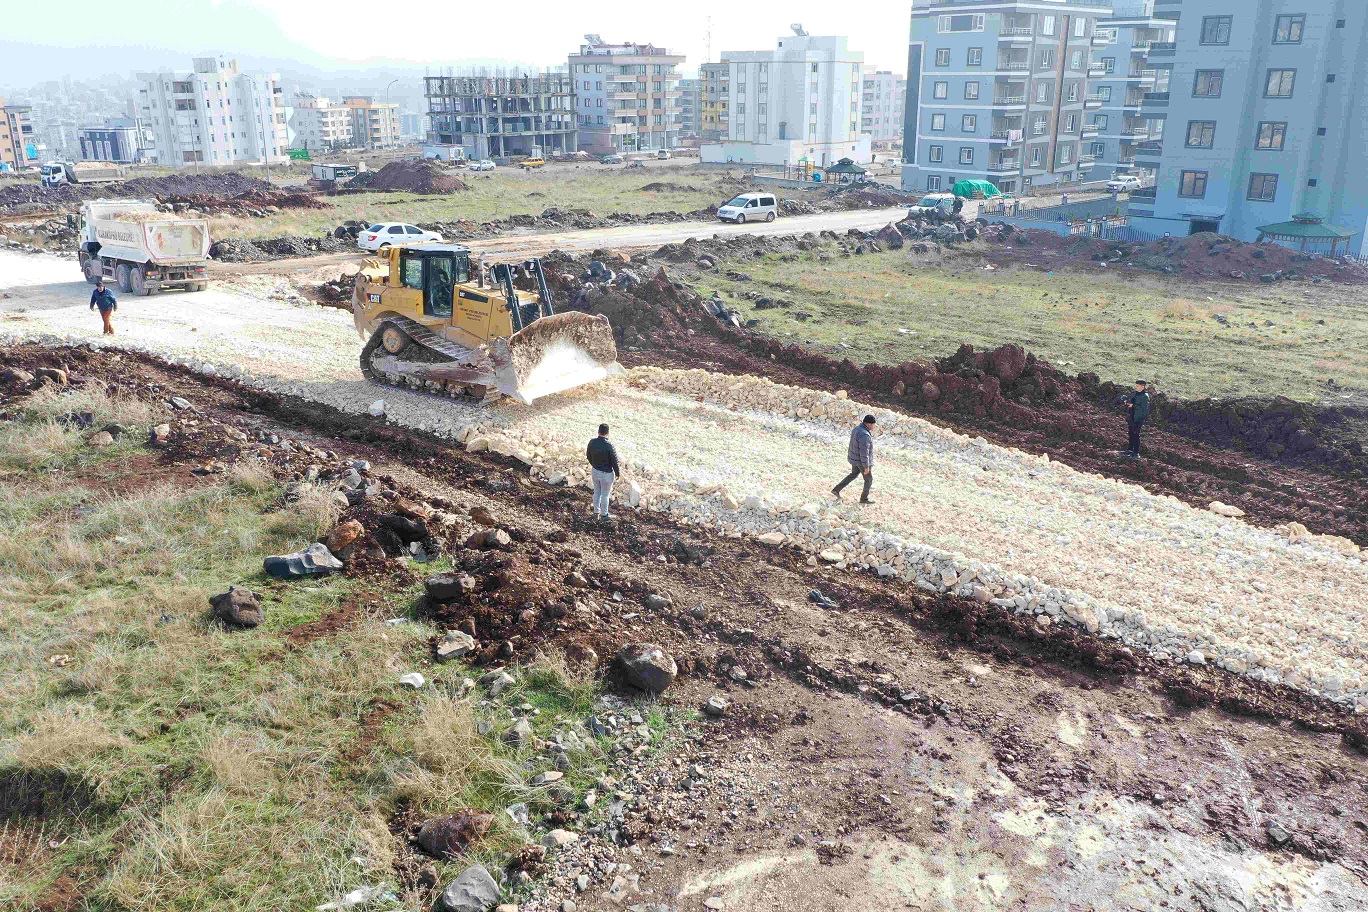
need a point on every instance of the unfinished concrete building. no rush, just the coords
(499, 117)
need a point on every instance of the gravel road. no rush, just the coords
(1032, 534)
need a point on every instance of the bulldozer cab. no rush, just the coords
(434, 273)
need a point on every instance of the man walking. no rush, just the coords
(103, 298)
(604, 462)
(861, 457)
(1137, 410)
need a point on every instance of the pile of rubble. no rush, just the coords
(415, 175)
(240, 250)
(225, 184)
(254, 203)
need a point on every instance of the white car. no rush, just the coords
(378, 237)
(483, 164)
(1124, 184)
(750, 207)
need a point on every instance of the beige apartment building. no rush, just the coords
(16, 136)
(626, 96)
(375, 124)
(321, 124)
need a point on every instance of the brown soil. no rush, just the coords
(417, 175)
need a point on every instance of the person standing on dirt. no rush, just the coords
(604, 462)
(861, 457)
(1137, 412)
(103, 298)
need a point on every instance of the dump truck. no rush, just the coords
(141, 249)
(55, 173)
(434, 319)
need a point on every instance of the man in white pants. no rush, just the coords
(603, 458)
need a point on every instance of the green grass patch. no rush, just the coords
(1192, 339)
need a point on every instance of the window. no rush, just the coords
(1208, 84)
(942, 56)
(1039, 125)
(1076, 60)
(970, 123)
(1047, 25)
(1072, 92)
(975, 57)
(1215, 30)
(1042, 92)
(1193, 185)
(938, 122)
(1312, 182)
(1045, 59)
(937, 154)
(1097, 149)
(971, 91)
(1271, 135)
(1109, 64)
(933, 182)
(1100, 121)
(1065, 154)
(411, 269)
(1080, 27)
(1330, 78)
(1201, 134)
(966, 155)
(1037, 155)
(1104, 93)
(1288, 29)
(1279, 83)
(1262, 187)
(1070, 122)
(814, 68)
(972, 22)
(940, 90)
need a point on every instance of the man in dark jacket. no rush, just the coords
(604, 462)
(103, 298)
(1137, 411)
(861, 457)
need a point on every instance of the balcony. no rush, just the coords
(1014, 66)
(1090, 130)
(1016, 33)
(1135, 132)
(1086, 163)
(1094, 101)
(1007, 137)
(1009, 101)
(1004, 166)
(1162, 49)
(1156, 99)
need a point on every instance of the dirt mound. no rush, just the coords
(255, 203)
(415, 175)
(218, 185)
(240, 250)
(668, 187)
(866, 196)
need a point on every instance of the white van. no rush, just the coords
(750, 207)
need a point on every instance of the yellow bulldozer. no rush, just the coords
(436, 320)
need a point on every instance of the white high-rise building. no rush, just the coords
(214, 115)
(800, 102)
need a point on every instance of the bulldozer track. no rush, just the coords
(421, 335)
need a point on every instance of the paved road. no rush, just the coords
(624, 237)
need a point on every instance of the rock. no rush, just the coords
(647, 666)
(408, 530)
(497, 681)
(179, 403)
(473, 891)
(454, 645)
(100, 439)
(55, 374)
(454, 834)
(557, 839)
(655, 602)
(716, 706)
(445, 587)
(1277, 836)
(582, 655)
(314, 560)
(343, 536)
(930, 392)
(520, 734)
(772, 538)
(238, 607)
(832, 556)
(633, 494)
(1222, 509)
(114, 430)
(1195, 657)
(159, 435)
(413, 679)
(548, 777)
(16, 376)
(713, 903)
(377, 408)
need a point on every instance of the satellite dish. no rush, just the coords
(799, 30)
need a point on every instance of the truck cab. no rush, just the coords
(53, 174)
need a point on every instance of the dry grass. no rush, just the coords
(63, 736)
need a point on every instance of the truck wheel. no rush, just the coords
(137, 282)
(91, 268)
(121, 276)
(197, 286)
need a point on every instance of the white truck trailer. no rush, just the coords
(55, 173)
(142, 250)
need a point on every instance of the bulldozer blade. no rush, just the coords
(554, 354)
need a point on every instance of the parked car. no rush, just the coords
(378, 237)
(613, 159)
(1124, 183)
(662, 153)
(933, 204)
(483, 164)
(528, 164)
(750, 207)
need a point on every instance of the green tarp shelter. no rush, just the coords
(975, 189)
(1307, 231)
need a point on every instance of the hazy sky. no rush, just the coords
(537, 32)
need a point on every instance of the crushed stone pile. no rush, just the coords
(415, 175)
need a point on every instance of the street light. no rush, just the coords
(387, 88)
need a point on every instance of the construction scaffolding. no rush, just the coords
(502, 115)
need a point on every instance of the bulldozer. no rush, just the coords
(436, 320)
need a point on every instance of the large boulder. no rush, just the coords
(344, 536)
(314, 560)
(1007, 363)
(446, 587)
(473, 891)
(238, 607)
(647, 666)
(453, 835)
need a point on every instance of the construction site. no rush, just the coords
(306, 606)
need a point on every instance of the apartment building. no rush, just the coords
(214, 114)
(375, 124)
(320, 124)
(712, 101)
(1265, 119)
(798, 103)
(494, 117)
(18, 149)
(881, 106)
(996, 91)
(116, 140)
(690, 100)
(626, 96)
(1119, 123)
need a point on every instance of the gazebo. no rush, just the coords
(1307, 230)
(844, 171)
